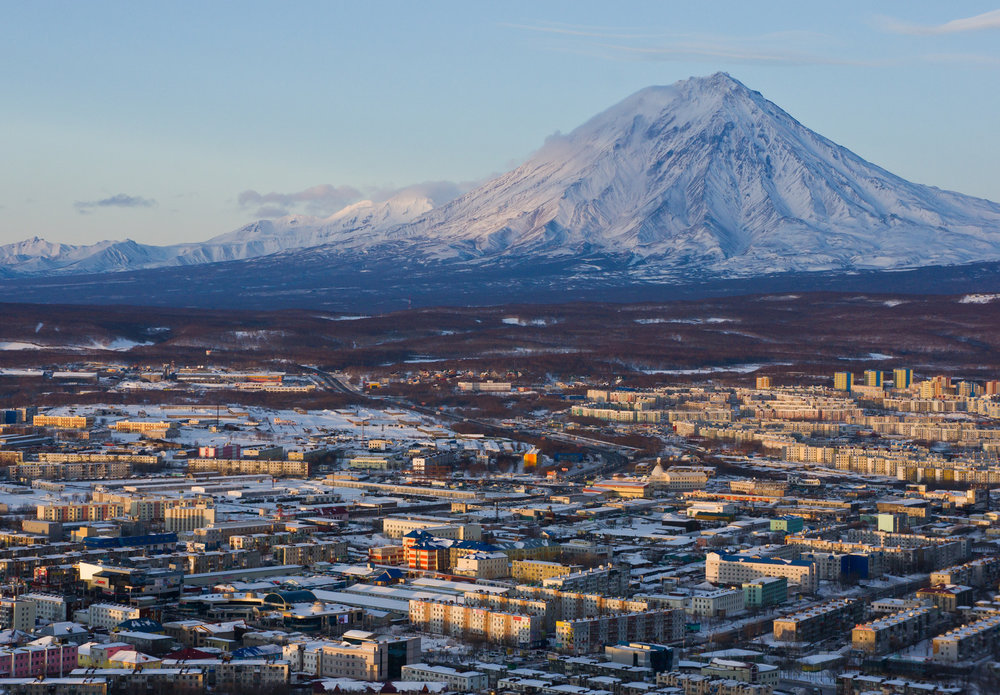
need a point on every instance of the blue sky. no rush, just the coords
(169, 122)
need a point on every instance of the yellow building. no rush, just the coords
(443, 617)
(79, 512)
(141, 427)
(537, 571)
(277, 469)
(622, 488)
(72, 422)
(843, 381)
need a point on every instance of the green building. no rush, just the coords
(788, 523)
(765, 591)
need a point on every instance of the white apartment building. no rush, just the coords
(367, 661)
(458, 681)
(108, 615)
(442, 527)
(17, 614)
(483, 565)
(684, 478)
(721, 602)
(188, 517)
(50, 607)
(736, 569)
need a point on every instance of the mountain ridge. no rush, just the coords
(704, 178)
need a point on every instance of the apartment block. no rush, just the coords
(109, 615)
(310, 553)
(37, 661)
(277, 469)
(71, 422)
(607, 579)
(440, 527)
(980, 574)
(70, 471)
(50, 607)
(184, 518)
(843, 381)
(17, 614)
(536, 571)
(766, 591)
(588, 635)
(142, 427)
(387, 555)
(854, 683)
(359, 655)
(698, 684)
(813, 624)
(718, 603)
(483, 565)
(79, 512)
(895, 631)
(457, 681)
(966, 642)
(736, 569)
(555, 605)
(446, 618)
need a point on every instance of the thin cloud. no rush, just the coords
(325, 200)
(120, 200)
(980, 22)
(271, 212)
(439, 192)
(732, 54)
(971, 59)
(775, 48)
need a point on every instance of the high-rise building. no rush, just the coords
(843, 381)
(873, 377)
(763, 382)
(902, 378)
(967, 389)
(188, 517)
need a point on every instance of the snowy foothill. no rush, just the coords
(114, 345)
(978, 298)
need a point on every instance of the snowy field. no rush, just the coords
(264, 426)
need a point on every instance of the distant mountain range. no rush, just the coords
(701, 181)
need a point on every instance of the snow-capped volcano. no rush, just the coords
(703, 177)
(708, 173)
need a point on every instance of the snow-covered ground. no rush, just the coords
(738, 368)
(251, 426)
(978, 298)
(116, 345)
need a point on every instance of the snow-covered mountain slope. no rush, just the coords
(704, 177)
(709, 174)
(34, 257)
(39, 257)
